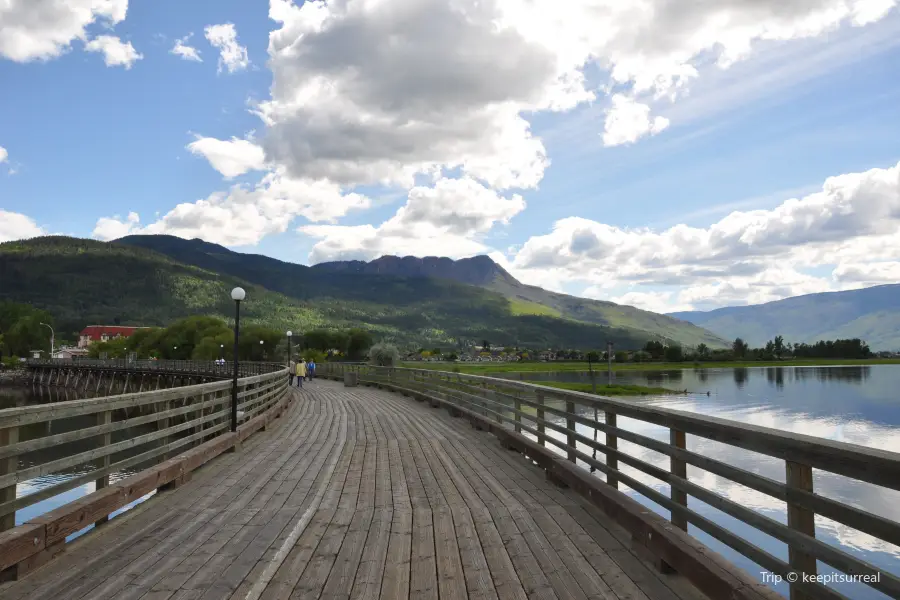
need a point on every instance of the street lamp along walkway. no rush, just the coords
(237, 294)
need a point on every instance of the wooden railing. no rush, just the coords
(199, 367)
(506, 403)
(92, 440)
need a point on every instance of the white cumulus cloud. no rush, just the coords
(45, 29)
(184, 51)
(116, 53)
(245, 214)
(851, 226)
(229, 157)
(3, 154)
(16, 226)
(444, 220)
(113, 228)
(628, 120)
(232, 56)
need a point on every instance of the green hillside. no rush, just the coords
(352, 280)
(871, 314)
(608, 313)
(82, 282)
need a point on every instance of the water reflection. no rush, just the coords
(855, 404)
(740, 376)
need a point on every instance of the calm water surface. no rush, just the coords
(855, 404)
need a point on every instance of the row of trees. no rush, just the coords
(209, 338)
(775, 349)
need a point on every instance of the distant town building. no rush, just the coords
(104, 333)
(70, 353)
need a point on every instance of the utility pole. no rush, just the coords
(609, 347)
(51, 338)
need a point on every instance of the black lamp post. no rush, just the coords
(237, 294)
(222, 351)
(289, 334)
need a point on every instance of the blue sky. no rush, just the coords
(84, 140)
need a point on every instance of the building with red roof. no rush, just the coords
(104, 333)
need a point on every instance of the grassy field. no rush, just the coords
(610, 390)
(478, 368)
(524, 307)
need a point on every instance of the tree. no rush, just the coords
(778, 346)
(358, 343)
(674, 353)
(655, 349)
(702, 351)
(384, 355)
(621, 356)
(739, 347)
(486, 345)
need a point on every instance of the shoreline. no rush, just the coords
(600, 368)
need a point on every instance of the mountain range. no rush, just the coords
(152, 280)
(871, 314)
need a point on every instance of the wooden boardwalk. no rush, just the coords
(358, 493)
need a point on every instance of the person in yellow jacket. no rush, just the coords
(300, 372)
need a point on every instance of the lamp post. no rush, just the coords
(289, 334)
(222, 351)
(51, 338)
(609, 347)
(237, 294)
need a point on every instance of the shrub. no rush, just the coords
(384, 355)
(10, 362)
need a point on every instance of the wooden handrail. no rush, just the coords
(155, 425)
(197, 367)
(502, 401)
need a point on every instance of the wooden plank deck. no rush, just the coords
(358, 493)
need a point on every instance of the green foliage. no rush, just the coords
(621, 356)
(317, 356)
(10, 362)
(674, 353)
(384, 355)
(156, 280)
(21, 330)
(655, 349)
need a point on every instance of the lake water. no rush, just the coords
(12, 396)
(855, 404)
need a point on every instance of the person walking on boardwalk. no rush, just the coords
(300, 372)
(291, 367)
(312, 369)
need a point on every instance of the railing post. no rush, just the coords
(539, 395)
(8, 437)
(800, 476)
(570, 435)
(612, 442)
(163, 424)
(517, 418)
(678, 468)
(104, 418)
